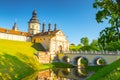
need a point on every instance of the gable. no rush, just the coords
(60, 33)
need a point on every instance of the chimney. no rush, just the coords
(49, 27)
(55, 27)
(43, 28)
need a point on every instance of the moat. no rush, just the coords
(61, 74)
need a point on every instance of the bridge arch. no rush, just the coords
(77, 60)
(99, 61)
(66, 71)
(78, 72)
(66, 59)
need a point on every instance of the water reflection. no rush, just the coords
(62, 74)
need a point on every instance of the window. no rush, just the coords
(36, 27)
(32, 26)
(32, 32)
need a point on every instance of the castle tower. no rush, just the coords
(33, 24)
(15, 27)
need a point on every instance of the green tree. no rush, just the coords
(94, 45)
(84, 41)
(113, 46)
(74, 47)
(107, 36)
(110, 10)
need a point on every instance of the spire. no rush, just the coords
(15, 27)
(34, 18)
(49, 27)
(43, 28)
(34, 13)
(55, 27)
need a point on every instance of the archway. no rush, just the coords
(66, 71)
(78, 72)
(66, 59)
(99, 61)
(60, 49)
(81, 61)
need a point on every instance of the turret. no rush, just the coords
(15, 27)
(34, 24)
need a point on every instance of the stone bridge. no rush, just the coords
(92, 58)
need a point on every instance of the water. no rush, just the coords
(60, 74)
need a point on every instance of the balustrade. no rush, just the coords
(94, 52)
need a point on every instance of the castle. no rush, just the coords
(52, 40)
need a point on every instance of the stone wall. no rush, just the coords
(44, 57)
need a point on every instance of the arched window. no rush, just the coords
(32, 26)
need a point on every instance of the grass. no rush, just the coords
(60, 65)
(17, 59)
(113, 75)
(106, 72)
(94, 68)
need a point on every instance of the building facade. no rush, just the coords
(14, 34)
(53, 41)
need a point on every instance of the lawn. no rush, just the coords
(17, 59)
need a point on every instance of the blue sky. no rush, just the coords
(76, 18)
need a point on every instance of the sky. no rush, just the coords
(76, 18)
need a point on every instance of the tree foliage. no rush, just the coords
(93, 46)
(107, 36)
(113, 46)
(84, 41)
(110, 10)
(74, 47)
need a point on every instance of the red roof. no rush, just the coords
(3, 30)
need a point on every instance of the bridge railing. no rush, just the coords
(94, 52)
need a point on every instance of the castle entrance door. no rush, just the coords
(60, 49)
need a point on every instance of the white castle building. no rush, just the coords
(52, 40)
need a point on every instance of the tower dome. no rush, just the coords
(34, 18)
(34, 24)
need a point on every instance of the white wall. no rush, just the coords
(14, 37)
